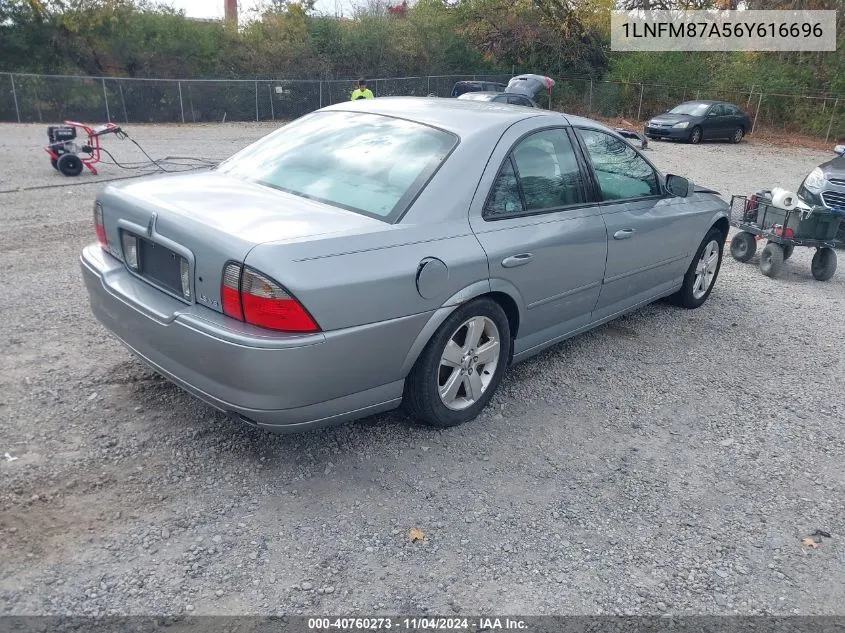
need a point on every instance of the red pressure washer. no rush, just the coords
(65, 152)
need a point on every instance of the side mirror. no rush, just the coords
(678, 186)
(840, 149)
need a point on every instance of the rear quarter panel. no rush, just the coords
(346, 282)
(350, 280)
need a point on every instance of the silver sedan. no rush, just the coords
(393, 251)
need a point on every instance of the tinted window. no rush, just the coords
(521, 101)
(622, 173)
(367, 163)
(732, 110)
(547, 175)
(717, 110)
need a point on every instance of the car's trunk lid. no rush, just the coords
(210, 219)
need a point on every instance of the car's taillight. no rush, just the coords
(100, 226)
(254, 298)
(231, 292)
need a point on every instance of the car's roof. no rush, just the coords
(701, 102)
(460, 116)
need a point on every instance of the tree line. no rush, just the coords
(561, 38)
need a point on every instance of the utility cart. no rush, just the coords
(784, 229)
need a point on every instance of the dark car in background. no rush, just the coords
(500, 97)
(825, 186)
(462, 87)
(696, 121)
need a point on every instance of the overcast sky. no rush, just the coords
(214, 8)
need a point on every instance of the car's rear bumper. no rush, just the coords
(279, 382)
(667, 132)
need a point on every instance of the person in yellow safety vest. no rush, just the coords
(362, 92)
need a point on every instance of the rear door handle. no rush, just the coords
(517, 260)
(624, 234)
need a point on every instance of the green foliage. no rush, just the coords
(562, 38)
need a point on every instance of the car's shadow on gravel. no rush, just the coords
(548, 378)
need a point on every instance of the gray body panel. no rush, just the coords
(378, 290)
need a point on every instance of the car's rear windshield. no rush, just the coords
(695, 109)
(368, 163)
(477, 96)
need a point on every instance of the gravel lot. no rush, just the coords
(671, 461)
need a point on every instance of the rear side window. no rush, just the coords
(367, 163)
(540, 174)
(621, 172)
(505, 198)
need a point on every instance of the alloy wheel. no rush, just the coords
(705, 270)
(468, 363)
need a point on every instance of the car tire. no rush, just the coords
(743, 246)
(69, 164)
(435, 373)
(824, 264)
(788, 249)
(771, 260)
(737, 135)
(699, 282)
(695, 135)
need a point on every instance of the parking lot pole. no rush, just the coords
(750, 94)
(106, 101)
(272, 109)
(181, 104)
(830, 125)
(756, 114)
(15, 97)
(640, 109)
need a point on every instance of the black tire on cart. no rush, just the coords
(824, 264)
(743, 246)
(54, 163)
(787, 251)
(70, 164)
(771, 260)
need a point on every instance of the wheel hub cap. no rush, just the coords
(705, 270)
(468, 363)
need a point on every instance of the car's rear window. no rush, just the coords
(367, 163)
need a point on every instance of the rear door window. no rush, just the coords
(541, 173)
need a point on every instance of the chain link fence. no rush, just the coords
(27, 98)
